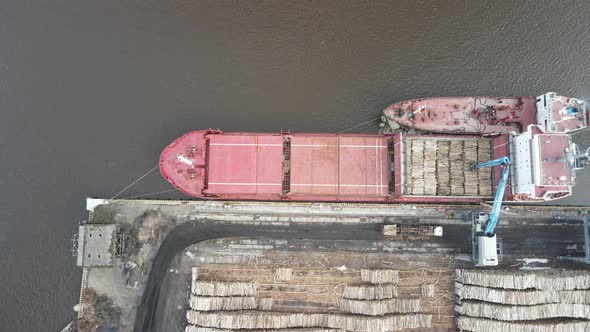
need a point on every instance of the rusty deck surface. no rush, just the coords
(339, 165)
(465, 115)
(245, 164)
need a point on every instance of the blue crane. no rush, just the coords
(490, 225)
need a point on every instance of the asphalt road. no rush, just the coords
(149, 313)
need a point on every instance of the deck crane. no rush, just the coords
(485, 247)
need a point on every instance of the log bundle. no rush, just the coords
(522, 301)
(369, 302)
(441, 167)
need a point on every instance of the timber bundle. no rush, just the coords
(283, 274)
(214, 303)
(372, 305)
(442, 167)
(538, 280)
(532, 297)
(427, 290)
(378, 292)
(379, 307)
(379, 276)
(194, 328)
(523, 301)
(210, 288)
(512, 313)
(488, 325)
(275, 320)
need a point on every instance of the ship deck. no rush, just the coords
(339, 165)
(465, 115)
(245, 164)
(319, 165)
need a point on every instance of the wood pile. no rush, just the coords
(522, 301)
(457, 168)
(389, 230)
(265, 303)
(416, 161)
(517, 297)
(216, 303)
(429, 175)
(525, 280)
(365, 301)
(275, 320)
(379, 307)
(470, 177)
(442, 167)
(379, 276)
(379, 292)
(484, 175)
(283, 274)
(194, 328)
(427, 290)
(516, 313)
(214, 288)
(488, 325)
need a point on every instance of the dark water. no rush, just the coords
(91, 91)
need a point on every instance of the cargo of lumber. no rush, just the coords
(479, 324)
(516, 297)
(194, 328)
(265, 320)
(441, 167)
(206, 288)
(516, 313)
(214, 303)
(379, 307)
(378, 292)
(540, 300)
(543, 280)
(379, 276)
(319, 293)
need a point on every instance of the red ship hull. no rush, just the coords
(393, 168)
(489, 115)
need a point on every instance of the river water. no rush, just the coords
(91, 91)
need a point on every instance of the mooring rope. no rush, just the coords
(360, 124)
(134, 182)
(150, 194)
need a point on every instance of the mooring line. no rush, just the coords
(360, 124)
(134, 182)
(150, 194)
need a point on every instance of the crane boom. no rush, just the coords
(490, 225)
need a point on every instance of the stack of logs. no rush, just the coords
(523, 301)
(369, 304)
(442, 167)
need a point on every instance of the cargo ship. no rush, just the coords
(395, 168)
(488, 115)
